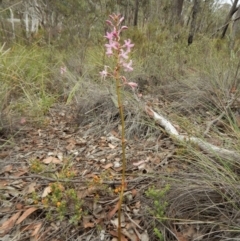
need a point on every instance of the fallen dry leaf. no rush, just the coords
(138, 204)
(7, 168)
(60, 156)
(6, 209)
(130, 234)
(3, 184)
(46, 191)
(179, 235)
(114, 222)
(87, 221)
(108, 166)
(4, 154)
(8, 225)
(30, 188)
(70, 146)
(36, 230)
(83, 193)
(117, 164)
(88, 225)
(111, 146)
(20, 173)
(19, 206)
(115, 234)
(144, 236)
(52, 159)
(139, 163)
(134, 192)
(113, 211)
(26, 214)
(72, 141)
(35, 227)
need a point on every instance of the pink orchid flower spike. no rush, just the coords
(118, 50)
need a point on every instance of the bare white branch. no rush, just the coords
(203, 145)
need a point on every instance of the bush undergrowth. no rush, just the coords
(27, 83)
(195, 82)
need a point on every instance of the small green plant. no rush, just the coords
(119, 52)
(36, 166)
(63, 202)
(159, 205)
(35, 197)
(59, 200)
(158, 234)
(67, 172)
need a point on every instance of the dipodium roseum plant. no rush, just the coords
(119, 51)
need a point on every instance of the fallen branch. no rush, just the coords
(205, 146)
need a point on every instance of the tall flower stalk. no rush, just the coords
(119, 51)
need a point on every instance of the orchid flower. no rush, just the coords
(115, 48)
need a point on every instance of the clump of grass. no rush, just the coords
(27, 89)
(203, 197)
(196, 84)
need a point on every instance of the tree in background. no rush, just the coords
(177, 11)
(76, 20)
(229, 16)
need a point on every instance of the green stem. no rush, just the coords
(120, 106)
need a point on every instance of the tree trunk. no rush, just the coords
(231, 12)
(235, 28)
(177, 11)
(193, 22)
(135, 21)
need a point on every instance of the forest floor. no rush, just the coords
(62, 182)
(60, 141)
(70, 157)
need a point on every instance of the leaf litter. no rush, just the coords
(40, 157)
(90, 164)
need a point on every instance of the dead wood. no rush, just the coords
(203, 145)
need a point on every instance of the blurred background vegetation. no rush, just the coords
(186, 62)
(186, 52)
(174, 40)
